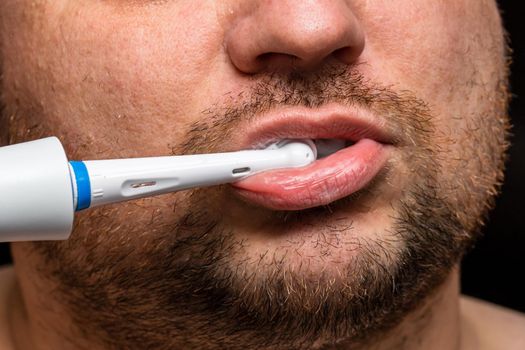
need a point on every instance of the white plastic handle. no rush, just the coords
(36, 195)
(123, 179)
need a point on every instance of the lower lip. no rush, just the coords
(320, 183)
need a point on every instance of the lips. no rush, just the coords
(328, 179)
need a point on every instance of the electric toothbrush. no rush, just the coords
(40, 190)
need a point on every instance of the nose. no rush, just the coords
(275, 35)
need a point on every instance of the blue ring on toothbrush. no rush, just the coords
(83, 185)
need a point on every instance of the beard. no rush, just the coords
(187, 282)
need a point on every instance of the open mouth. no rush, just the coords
(352, 148)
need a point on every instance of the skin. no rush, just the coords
(119, 79)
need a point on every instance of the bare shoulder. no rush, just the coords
(7, 280)
(494, 326)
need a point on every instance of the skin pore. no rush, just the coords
(205, 270)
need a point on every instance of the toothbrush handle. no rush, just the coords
(118, 180)
(36, 195)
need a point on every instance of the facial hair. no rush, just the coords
(187, 286)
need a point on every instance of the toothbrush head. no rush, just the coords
(300, 152)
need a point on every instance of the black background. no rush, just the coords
(495, 269)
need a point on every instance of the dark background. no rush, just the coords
(495, 269)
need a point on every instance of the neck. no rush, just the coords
(37, 322)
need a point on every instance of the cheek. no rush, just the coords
(417, 45)
(449, 53)
(152, 70)
(122, 82)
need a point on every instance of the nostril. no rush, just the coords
(350, 54)
(265, 56)
(341, 52)
(277, 60)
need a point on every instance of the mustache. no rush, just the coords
(405, 116)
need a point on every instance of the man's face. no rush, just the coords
(419, 87)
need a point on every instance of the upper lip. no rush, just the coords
(330, 122)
